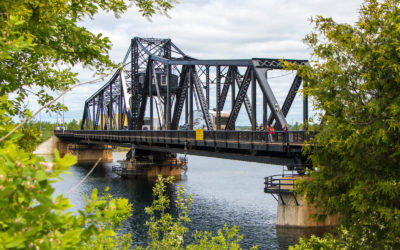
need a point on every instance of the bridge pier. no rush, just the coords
(88, 154)
(84, 153)
(293, 209)
(150, 164)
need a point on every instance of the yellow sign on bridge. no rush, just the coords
(199, 134)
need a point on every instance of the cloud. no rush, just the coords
(220, 29)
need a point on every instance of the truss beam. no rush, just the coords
(158, 71)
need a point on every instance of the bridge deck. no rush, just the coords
(240, 145)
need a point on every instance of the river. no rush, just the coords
(224, 191)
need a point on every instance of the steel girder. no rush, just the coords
(260, 72)
(261, 66)
(289, 98)
(239, 80)
(228, 82)
(180, 97)
(239, 100)
(126, 99)
(145, 91)
(105, 109)
(203, 104)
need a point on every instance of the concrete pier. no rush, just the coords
(150, 164)
(91, 153)
(84, 153)
(293, 210)
(298, 214)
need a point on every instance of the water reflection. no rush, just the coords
(224, 191)
(291, 236)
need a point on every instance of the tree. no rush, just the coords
(42, 40)
(73, 125)
(167, 232)
(30, 217)
(354, 80)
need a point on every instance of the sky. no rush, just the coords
(218, 29)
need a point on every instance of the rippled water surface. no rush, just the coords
(224, 191)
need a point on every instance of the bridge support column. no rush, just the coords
(84, 153)
(150, 164)
(91, 153)
(293, 210)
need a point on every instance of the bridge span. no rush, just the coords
(152, 104)
(159, 96)
(282, 148)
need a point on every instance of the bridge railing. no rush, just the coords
(260, 136)
(280, 183)
(256, 137)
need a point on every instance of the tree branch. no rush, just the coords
(53, 101)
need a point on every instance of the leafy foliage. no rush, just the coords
(40, 42)
(296, 126)
(45, 129)
(167, 232)
(228, 238)
(354, 81)
(29, 139)
(30, 217)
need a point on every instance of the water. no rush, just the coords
(224, 192)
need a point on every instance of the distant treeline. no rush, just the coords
(45, 129)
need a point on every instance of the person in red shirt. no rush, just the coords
(271, 131)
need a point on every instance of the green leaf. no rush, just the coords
(46, 201)
(40, 175)
(94, 194)
(17, 242)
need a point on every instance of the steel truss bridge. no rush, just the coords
(157, 89)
